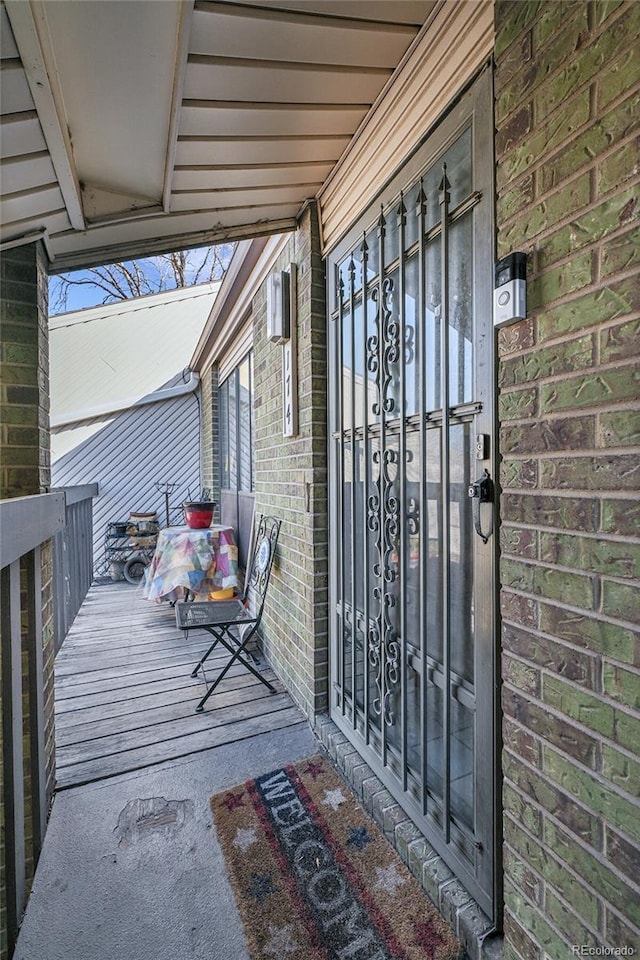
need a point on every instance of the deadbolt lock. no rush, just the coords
(482, 488)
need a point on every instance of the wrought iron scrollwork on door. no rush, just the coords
(390, 353)
(373, 652)
(383, 347)
(389, 344)
(391, 662)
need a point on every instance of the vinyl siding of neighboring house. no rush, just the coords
(126, 455)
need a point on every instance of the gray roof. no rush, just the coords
(129, 453)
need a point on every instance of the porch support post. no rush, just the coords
(24, 372)
(36, 700)
(27, 623)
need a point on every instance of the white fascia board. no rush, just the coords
(238, 258)
(74, 251)
(31, 33)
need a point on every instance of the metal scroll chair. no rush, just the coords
(229, 621)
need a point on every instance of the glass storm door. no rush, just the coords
(411, 431)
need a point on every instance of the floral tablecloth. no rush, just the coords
(199, 561)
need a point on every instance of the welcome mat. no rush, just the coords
(315, 879)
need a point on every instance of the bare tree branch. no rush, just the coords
(137, 278)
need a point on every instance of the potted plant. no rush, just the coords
(198, 514)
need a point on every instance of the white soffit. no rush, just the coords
(115, 63)
(173, 123)
(413, 103)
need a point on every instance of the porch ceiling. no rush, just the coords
(130, 126)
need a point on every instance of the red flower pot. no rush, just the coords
(199, 513)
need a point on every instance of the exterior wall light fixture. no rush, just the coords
(278, 307)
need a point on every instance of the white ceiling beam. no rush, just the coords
(179, 73)
(137, 246)
(28, 22)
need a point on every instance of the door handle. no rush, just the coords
(481, 492)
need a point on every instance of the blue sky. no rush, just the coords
(89, 288)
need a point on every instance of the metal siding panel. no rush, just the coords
(21, 135)
(45, 221)
(126, 457)
(237, 80)
(395, 11)
(199, 178)
(297, 36)
(8, 49)
(213, 152)
(47, 200)
(26, 173)
(203, 201)
(15, 96)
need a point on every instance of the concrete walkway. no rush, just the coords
(131, 868)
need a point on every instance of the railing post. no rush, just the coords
(72, 556)
(12, 748)
(38, 764)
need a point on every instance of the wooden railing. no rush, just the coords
(26, 525)
(72, 557)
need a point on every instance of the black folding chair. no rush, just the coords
(229, 621)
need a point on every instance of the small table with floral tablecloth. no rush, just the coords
(192, 562)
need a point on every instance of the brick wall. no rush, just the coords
(290, 480)
(24, 368)
(566, 97)
(209, 433)
(25, 461)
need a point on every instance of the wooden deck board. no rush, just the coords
(125, 698)
(74, 714)
(93, 729)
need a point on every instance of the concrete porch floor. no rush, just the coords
(131, 867)
(108, 887)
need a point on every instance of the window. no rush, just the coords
(236, 428)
